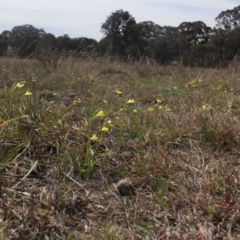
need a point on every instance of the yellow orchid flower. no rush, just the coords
(27, 93)
(94, 137)
(104, 129)
(130, 101)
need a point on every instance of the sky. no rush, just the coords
(83, 18)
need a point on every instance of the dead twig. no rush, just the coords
(80, 185)
(32, 168)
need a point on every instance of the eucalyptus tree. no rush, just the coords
(47, 42)
(139, 38)
(47, 52)
(229, 19)
(23, 39)
(195, 33)
(4, 36)
(228, 24)
(64, 42)
(83, 45)
(116, 27)
(169, 46)
(104, 46)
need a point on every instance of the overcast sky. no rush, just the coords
(83, 18)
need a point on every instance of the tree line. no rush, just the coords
(191, 43)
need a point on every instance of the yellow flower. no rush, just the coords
(175, 88)
(150, 109)
(135, 110)
(168, 109)
(20, 84)
(91, 77)
(123, 109)
(104, 129)
(191, 84)
(27, 93)
(205, 107)
(105, 101)
(109, 122)
(76, 101)
(158, 100)
(100, 114)
(229, 104)
(94, 137)
(130, 101)
(118, 92)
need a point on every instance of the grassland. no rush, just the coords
(69, 135)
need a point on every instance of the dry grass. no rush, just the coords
(172, 132)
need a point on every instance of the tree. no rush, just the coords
(168, 46)
(4, 42)
(232, 43)
(46, 51)
(6, 34)
(83, 45)
(226, 35)
(229, 19)
(23, 39)
(104, 46)
(227, 44)
(203, 55)
(47, 42)
(139, 36)
(116, 27)
(64, 42)
(195, 33)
